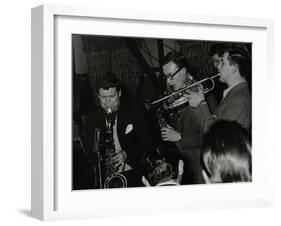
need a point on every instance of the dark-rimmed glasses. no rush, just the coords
(171, 77)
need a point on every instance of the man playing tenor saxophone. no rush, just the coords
(122, 124)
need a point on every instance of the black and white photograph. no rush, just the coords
(140, 113)
(160, 112)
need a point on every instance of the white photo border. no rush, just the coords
(52, 197)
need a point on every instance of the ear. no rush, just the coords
(119, 93)
(206, 178)
(145, 182)
(235, 68)
(181, 164)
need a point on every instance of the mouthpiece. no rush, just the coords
(109, 110)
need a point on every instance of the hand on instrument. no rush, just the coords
(170, 134)
(195, 98)
(119, 158)
(181, 100)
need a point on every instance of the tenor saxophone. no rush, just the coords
(113, 177)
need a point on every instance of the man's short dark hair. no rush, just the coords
(109, 80)
(177, 58)
(181, 62)
(161, 166)
(227, 149)
(217, 49)
(239, 57)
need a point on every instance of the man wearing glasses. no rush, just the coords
(187, 132)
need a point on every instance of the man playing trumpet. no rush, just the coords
(187, 133)
(236, 101)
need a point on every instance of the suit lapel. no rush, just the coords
(121, 124)
(236, 89)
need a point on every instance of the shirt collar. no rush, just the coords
(226, 91)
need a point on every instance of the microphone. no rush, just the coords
(96, 150)
(97, 140)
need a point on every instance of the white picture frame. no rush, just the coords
(52, 197)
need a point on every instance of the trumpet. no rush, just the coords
(179, 93)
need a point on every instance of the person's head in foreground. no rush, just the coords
(226, 153)
(162, 169)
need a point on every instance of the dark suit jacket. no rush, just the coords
(134, 142)
(191, 128)
(236, 106)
